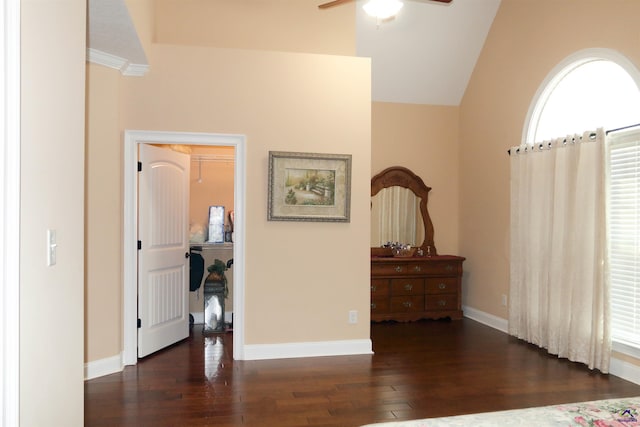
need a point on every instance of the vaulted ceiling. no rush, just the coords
(425, 55)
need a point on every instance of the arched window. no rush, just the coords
(591, 89)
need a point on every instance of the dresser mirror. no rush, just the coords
(399, 211)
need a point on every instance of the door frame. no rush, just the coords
(130, 230)
(10, 82)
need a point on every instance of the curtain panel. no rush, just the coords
(559, 286)
(395, 216)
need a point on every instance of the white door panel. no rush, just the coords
(163, 278)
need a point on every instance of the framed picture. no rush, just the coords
(216, 224)
(309, 187)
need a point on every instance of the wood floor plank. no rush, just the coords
(419, 370)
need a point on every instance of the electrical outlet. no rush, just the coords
(504, 300)
(353, 316)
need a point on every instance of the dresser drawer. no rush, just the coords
(426, 266)
(448, 267)
(441, 285)
(441, 302)
(407, 304)
(407, 286)
(379, 287)
(379, 305)
(397, 268)
(414, 288)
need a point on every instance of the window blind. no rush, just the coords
(624, 235)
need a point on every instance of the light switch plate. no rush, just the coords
(52, 247)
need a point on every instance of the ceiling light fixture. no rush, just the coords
(382, 9)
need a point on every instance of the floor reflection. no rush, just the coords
(213, 355)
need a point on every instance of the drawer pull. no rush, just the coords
(442, 303)
(407, 304)
(398, 268)
(442, 286)
(417, 268)
(373, 288)
(449, 267)
(373, 305)
(408, 287)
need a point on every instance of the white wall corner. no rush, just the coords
(102, 367)
(116, 62)
(307, 349)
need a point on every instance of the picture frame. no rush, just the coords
(309, 187)
(216, 224)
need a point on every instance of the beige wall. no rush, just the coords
(459, 151)
(103, 299)
(303, 275)
(423, 138)
(283, 25)
(52, 197)
(527, 39)
(186, 92)
(142, 14)
(215, 188)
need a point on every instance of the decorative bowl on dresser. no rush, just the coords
(416, 287)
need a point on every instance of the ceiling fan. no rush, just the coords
(380, 9)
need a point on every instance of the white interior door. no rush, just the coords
(163, 273)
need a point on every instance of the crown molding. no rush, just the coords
(113, 61)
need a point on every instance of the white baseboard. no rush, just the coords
(307, 349)
(619, 368)
(102, 367)
(487, 319)
(625, 370)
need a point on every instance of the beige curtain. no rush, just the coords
(395, 216)
(559, 290)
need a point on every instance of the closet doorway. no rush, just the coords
(132, 139)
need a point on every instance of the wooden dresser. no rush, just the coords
(406, 289)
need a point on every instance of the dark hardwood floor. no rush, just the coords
(419, 370)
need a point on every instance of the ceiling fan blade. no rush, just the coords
(334, 3)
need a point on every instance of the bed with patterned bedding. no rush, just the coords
(624, 412)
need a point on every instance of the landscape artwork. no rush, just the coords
(309, 187)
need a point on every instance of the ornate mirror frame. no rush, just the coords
(403, 177)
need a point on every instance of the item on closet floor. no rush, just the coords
(215, 293)
(214, 307)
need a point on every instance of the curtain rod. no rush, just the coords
(623, 128)
(607, 133)
(541, 145)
